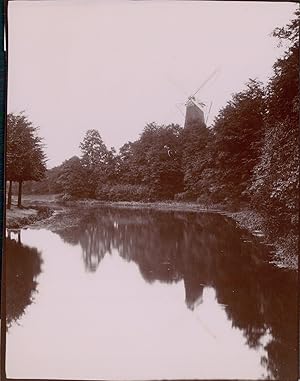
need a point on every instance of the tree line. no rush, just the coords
(249, 156)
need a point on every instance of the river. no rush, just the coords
(138, 294)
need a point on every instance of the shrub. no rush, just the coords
(123, 192)
(185, 196)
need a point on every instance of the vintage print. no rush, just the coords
(152, 178)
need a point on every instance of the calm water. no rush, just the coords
(128, 295)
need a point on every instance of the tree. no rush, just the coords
(153, 161)
(94, 159)
(195, 139)
(125, 164)
(283, 88)
(238, 133)
(275, 182)
(112, 166)
(72, 178)
(25, 158)
(156, 160)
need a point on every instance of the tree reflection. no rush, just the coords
(203, 250)
(23, 265)
(94, 235)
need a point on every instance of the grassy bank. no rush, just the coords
(34, 208)
(284, 248)
(17, 218)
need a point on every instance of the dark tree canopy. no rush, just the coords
(94, 159)
(72, 178)
(275, 184)
(25, 157)
(154, 161)
(238, 132)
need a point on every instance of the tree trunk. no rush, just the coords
(20, 195)
(9, 195)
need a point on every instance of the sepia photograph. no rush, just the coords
(151, 191)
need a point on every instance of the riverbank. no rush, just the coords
(284, 248)
(17, 218)
(34, 209)
(45, 211)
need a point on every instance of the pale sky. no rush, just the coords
(117, 65)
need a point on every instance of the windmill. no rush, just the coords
(194, 108)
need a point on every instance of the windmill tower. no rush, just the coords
(194, 109)
(194, 112)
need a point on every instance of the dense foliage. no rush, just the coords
(275, 183)
(154, 161)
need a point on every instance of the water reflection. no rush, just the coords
(23, 265)
(204, 251)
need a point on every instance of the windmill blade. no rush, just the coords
(208, 112)
(176, 85)
(181, 112)
(205, 82)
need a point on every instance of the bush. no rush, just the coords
(123, 192)
(185, 196)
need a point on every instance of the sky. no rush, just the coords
(117, 65)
